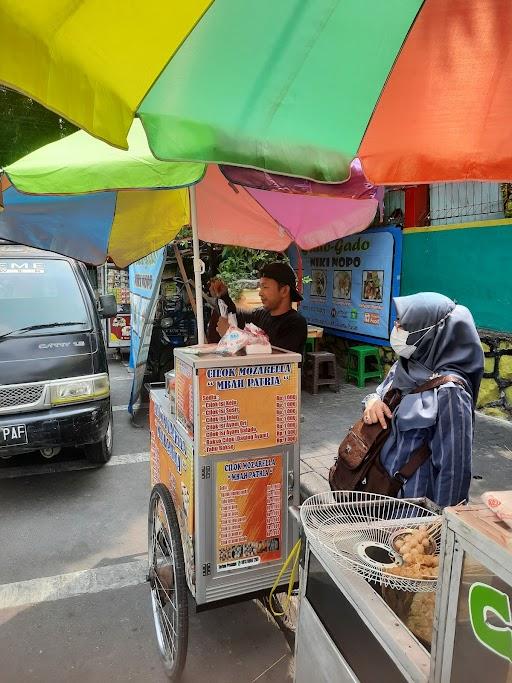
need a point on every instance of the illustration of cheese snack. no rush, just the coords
(416, 548)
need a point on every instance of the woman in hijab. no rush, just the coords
(432, 336)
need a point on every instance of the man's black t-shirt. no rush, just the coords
(288, 331)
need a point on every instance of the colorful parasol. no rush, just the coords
(84, 209)
(420, 91)
(90, 201)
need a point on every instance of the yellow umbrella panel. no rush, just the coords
(124, 225)
(102, 57)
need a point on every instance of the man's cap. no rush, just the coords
(282, 273)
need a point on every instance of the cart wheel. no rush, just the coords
(169, 591)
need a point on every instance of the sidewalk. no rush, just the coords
(328, 416)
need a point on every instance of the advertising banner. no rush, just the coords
(172, 465)
(119, 329)
(249, 504)
(353, 281)
(144, 278)
(242, 408)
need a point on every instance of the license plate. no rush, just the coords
(13, 435)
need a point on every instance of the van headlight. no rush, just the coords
(78, 389)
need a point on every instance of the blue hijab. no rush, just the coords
(451, 347)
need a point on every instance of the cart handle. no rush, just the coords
(294, 555)
(294, 511)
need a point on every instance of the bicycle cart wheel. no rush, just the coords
(169, 591)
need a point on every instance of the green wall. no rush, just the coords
(470, 264)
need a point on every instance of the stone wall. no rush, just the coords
(495, 396)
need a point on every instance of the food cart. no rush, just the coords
(224, 470)
(356, 625)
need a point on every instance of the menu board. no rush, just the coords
(253, 406)
(249, 511)
(352, 282)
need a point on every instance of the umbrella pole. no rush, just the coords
(198, 267)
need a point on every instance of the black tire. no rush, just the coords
(169, 602)
(101, 452)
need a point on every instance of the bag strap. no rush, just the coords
(415, 462)
(394, 396)
(435, 382)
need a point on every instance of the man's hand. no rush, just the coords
(222, 326)
(217, 288)
(377, 411)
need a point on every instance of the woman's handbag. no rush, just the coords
(358, 466)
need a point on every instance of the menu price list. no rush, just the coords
(223, 428)
(231, 521)
(286, 418)
(249, 517)
(274, 500)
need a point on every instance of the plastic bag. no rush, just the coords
(233, 341)
(257, 336)
(258, 342)
(236, 339)
(223, 309)
(500, 502)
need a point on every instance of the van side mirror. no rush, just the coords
(108, 306)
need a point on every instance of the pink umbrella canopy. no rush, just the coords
(356, 187)
(264, 219)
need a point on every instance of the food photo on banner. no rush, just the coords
(350, 284)
(144, 278)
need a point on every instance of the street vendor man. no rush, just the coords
(284, 326)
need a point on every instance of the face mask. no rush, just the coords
(398, 340)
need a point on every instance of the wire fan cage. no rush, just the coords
(360, 530)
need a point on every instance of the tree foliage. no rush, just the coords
(26, 125)
(240, 266)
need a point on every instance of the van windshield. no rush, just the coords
(38, 293)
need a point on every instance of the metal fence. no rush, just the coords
(462, 202)
(455, 202)
(393, 200)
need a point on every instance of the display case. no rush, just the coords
(473, 628)
(351, 629)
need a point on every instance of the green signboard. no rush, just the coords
(491, 619)
(470, 263)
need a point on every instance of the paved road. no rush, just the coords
(73, 602)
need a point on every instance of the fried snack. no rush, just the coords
(416, 548)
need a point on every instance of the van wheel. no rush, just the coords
(101, 452)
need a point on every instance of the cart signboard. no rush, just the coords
(482, 648)
(496, 637)
(248, 407)
(249, 503)
(172, 465)
(185, 396)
